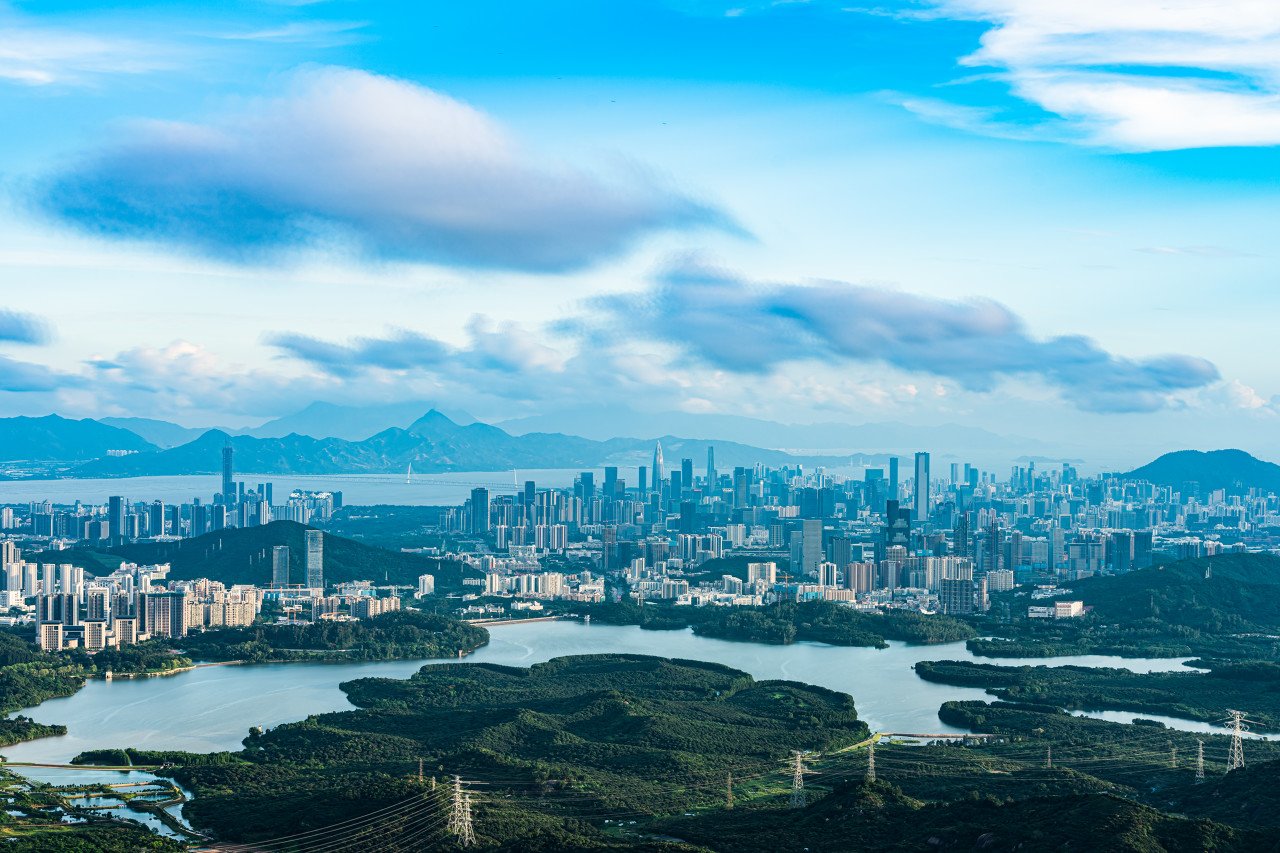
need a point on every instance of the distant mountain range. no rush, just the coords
(1214, 469)
(326, 438)
(57, 438)
(318, 420)
(434, 443)
(601, 423)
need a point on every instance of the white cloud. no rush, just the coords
(358, 161)
(39, 55)
(1139, 75)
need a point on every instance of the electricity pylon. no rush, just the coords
(728, 792)
(871, 761)
(797, 780)
(1236, 759)
(460, 815)
(1199, 761)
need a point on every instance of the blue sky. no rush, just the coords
(1036, 217)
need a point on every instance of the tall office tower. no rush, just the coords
(228, 475)
(893, 478)
(315, 555)
(480, 511)
(711, 469)
(677, 484)
(955, 473)
(657, 467)
(642, 480)
(686, 474)
(588, 481)
(530, 499)
(811, 550)
(610, 483)
(922, 488)
(156, 521)
(280, 565)
(116, 509)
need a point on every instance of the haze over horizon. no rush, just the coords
(1038, 223)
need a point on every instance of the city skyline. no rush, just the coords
(933, 213)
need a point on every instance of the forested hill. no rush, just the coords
(593, 735)
(1228, 593)
(1233, 470)
(243, 555)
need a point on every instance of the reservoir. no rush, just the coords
(212, 708)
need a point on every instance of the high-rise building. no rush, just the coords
(686, 474)
(658, 474)
(315, 558)
(893, 478)
(811, 549)
(480, 511)
(228, 475)
(163, 614)
(711, 469)
(922, 488)
(116, 509)
(280, 565)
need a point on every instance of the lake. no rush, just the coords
(212, 708)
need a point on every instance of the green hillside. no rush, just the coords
(243, 555)
(606, 733)
(1223, 594)
(1233, 470)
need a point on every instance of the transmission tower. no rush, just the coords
(728, 792)
(460, 815)
(797, 780)
(1238, 728)
(1048, 758)
(419, 770)
(1173, 755)
(871, 761)
(1199, 761)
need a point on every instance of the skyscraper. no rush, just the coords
(711, 469)
(893, 478)
(922, 488)
(657, 467)
(811, 549)
(228, 476)
(480, 511)
(315, 559)
(116, 509)
(686, 474)
(280, 565)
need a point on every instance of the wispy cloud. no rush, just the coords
(37, 54)
(357, 161)
(720, 319)
(1140, 75)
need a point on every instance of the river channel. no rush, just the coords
(212, 708)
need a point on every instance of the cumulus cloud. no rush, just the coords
(21, 328)
(719, 319)
(1139, 75)
(356, 161)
